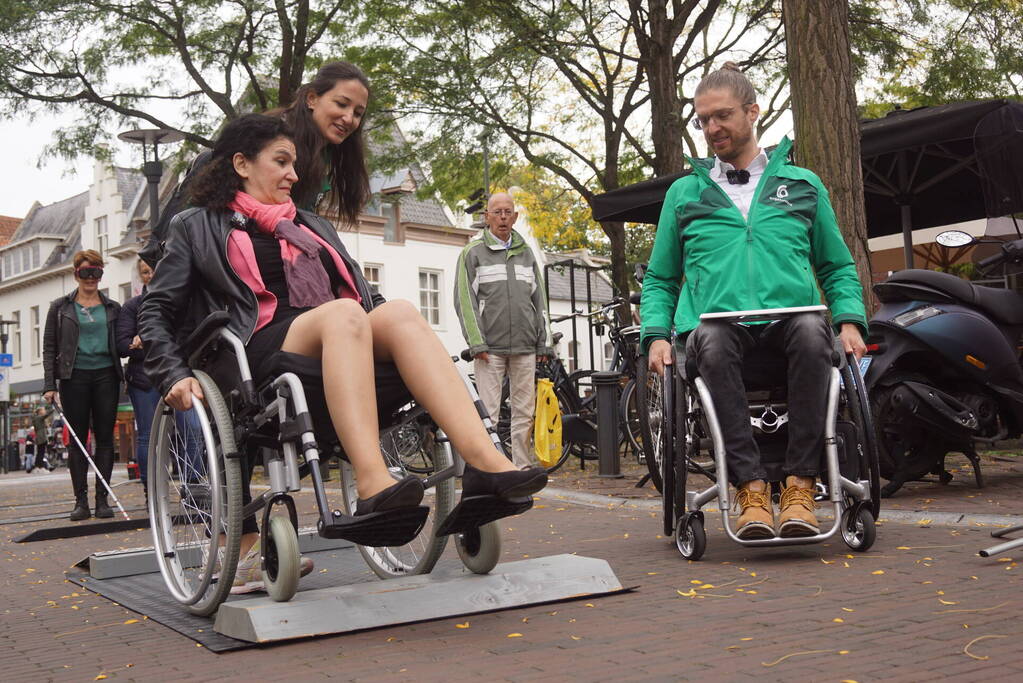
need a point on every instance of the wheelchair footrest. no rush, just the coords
(475, 511)
(377, 529)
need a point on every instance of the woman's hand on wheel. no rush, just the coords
(659, 355)
(180, 395)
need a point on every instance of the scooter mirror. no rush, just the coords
(954, 238)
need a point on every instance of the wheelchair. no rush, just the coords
(690, 434)
(199, 461)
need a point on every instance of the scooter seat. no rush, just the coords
(1005, 306)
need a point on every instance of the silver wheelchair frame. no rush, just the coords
(478, 548)
(852, 502)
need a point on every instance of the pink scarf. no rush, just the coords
(308, 282)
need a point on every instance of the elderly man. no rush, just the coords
(500, 303)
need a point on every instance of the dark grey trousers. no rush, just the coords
(806, 342)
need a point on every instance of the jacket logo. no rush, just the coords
(780, 195)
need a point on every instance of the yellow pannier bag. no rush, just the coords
(547, 424)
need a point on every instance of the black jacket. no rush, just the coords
(127, 328)
(194, 278)
(60, 338)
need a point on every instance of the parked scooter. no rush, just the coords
(943, 367)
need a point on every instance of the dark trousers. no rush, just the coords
(806, 342)
(41, 454)
(89, 400)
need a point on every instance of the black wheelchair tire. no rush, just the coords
(650, 425)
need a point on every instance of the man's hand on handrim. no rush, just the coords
(659, 355)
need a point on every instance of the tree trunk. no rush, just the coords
(824, 111)
(615, 231)
(665, 106)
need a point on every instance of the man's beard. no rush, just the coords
(740, 140)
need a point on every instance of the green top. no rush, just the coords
(93, 342)
(708, 258)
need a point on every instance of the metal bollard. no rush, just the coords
(607, 385)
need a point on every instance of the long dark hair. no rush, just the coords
(344, 165)
(217, 182)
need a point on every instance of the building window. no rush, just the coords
(36, 337)
(429, 295)
(26, 258)
(16, 337)
(35, 255)
(125, 292)
(101, 234)
(389, 210)
(374, 274)
(609, 354)
(573, 356)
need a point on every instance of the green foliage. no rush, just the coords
(158, 63)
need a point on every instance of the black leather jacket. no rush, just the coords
(194, 278)
(60, 338)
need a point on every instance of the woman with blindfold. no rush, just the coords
(80, 362)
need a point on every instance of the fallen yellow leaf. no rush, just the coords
(100, 677)
(745, 639)
(947, 602)
(879, 571)
(838, 620)
(465, 625)
(575, 637)
(514, 635)
(843, 652)
(132, 621)
(846, 609)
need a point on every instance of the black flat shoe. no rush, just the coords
(103, 511)
(514, 484)
(80, 512)
(406, 493)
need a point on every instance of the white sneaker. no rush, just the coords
(248, 578)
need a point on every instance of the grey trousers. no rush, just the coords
(806, 342)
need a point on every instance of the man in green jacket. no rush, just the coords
(745, 231)
(499, 298)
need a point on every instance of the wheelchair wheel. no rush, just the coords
(651, 417)
(480, 549)
(858, 529)
(281, 563)
(420, 554)
(195, 498)
(690, 537)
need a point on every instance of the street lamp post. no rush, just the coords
(152, 168)
(5, 425)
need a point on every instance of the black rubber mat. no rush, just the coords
(147, 595)
(76, 530)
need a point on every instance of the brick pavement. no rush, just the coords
(907, 609)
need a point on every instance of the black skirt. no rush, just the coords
(267, 361)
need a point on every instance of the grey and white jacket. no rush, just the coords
(499, 298)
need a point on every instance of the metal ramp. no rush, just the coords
(416, 598)
(346, 596)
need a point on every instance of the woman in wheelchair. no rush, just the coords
(290, 285)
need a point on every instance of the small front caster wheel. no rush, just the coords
(480, 548)
(281, 560)
(858, 530)
(690, 538)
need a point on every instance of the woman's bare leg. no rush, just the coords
(339, 334)
(402, 336)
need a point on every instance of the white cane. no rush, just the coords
(92, 464)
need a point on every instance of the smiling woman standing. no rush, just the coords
(80, 359)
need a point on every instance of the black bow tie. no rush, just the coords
(740, 177)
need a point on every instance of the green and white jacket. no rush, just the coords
(499, 297)
(707, 258)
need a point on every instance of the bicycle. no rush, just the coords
(576, 399)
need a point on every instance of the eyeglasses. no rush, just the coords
(89, 273)
(721, 117)
(501, 212)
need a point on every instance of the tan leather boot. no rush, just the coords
(797, 506)
(756, 519)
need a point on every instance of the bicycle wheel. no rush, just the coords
(651, 417)
(411, 442)
(565, 405)
(195, 498)
(419, 555)
(629, 412)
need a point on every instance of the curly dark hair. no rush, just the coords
(343, 165)
(217, 182)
